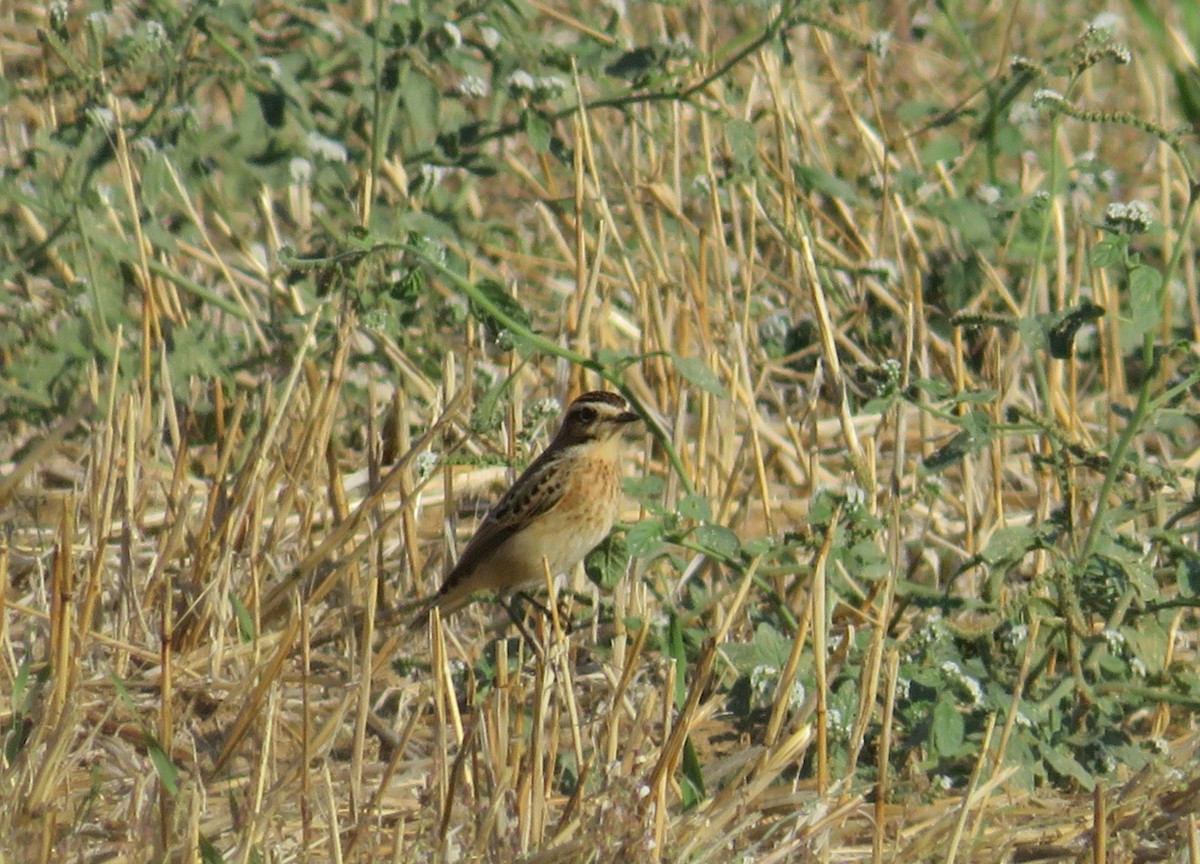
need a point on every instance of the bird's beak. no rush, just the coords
(626, 417)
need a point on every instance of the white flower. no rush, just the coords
(102, 118)
(879, 43)
(433, 175)
(545, 408)
(153, 32)
(1021, 63)
(98, 21)
(1048, 99)
(774, 328)
(885, 270)
(300, 170)
(1114, 638)
(520, 82)
(549, 85)
(955, 673)
(473, 86)
(59, 11)
(451, 30)
(1106, 23)
(1134, 217)
(491, 37)
(145, 145)
(988, 194)
(681, 46)
(326, 148)
(1017, 636)
(425, 463)
(271, 66)
(762, 682)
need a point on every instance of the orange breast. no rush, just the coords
(580, 520)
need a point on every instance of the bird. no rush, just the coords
(557, 511)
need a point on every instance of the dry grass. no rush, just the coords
(213, 584)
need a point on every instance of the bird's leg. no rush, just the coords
(525, 598)
(562, 610)
(520, 622)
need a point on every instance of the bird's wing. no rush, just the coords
(536, 491)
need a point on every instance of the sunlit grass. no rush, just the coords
(908, 563)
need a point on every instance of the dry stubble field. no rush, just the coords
(912, 518)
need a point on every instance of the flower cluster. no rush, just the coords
(1134, 217)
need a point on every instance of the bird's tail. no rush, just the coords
(446, 602)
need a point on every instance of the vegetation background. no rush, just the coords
(906, 292)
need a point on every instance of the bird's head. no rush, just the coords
(595, 416)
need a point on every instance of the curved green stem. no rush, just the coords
(547, 346)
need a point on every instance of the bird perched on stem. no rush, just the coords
(556, 512)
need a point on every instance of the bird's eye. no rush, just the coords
(586, 415)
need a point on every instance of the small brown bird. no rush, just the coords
(558, 510)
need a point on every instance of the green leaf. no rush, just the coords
(867, 560)
(697, 372)
(489, 412)
(421, 103)
(676, 652)
(1033, 329)
(1145, 299)
(976, 397)
(645, 538)
(918, 110)
(497, 297)
(1066, 765)
(1009, 545)
(1187, 577)
(816, 179)
(538, 132)
(947, 732)
(122, 692)
(645, 490)
(693, 776)
(695, 507)
(1108, 252)
(771, 648)
(976, 433)
(616, 361)
(15, 733)
(743, 143)
(758, 545)
(718, 539)
(209, 853)
(935, 387)
(969, 218)
(945, 149)
(163, 766)
(245, 620)
(607, 563)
